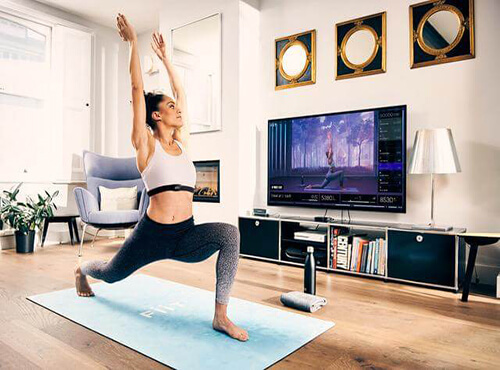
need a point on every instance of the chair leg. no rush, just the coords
(80, 249)
(95, 236)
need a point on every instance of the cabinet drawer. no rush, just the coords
(422, 257)
(259, 238)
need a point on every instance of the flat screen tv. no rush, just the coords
(348, 160)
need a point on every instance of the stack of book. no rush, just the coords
(354, 253)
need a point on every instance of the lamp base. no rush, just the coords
(432, 227)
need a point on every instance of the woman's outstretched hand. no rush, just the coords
(125, 29)
(158, 45)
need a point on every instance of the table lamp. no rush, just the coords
(433, 153)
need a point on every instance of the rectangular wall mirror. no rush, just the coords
(196, 54)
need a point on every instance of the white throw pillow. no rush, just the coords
(118, 199)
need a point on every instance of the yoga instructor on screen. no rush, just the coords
(167, 230)
(332, 173)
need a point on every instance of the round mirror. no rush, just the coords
(360, 46)
(294, 61)
(441, 29)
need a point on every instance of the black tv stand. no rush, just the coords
(423, 257)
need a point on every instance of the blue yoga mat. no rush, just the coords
(172, 323)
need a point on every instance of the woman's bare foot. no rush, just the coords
(223, 324)
(82, 285)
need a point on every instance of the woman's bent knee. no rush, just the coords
(230, 235)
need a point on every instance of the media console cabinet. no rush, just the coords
(423, 257)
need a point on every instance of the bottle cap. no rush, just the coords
(310, 249)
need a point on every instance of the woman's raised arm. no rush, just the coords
(139, 130)
(158, 45)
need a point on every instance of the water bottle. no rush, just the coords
(310, 272)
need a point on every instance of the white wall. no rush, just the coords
(222, 145)
(461, 95)
(249, 105)
(151, 82)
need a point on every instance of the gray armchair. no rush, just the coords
(111, 173)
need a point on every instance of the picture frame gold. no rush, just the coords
(461, 48)
(376, 24)
(307, 76)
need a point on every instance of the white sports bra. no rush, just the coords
(169, 172)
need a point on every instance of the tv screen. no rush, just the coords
(349, 160)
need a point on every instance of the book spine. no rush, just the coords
(360, 256)
(368, 255)
(379, 256)
(342, 252)
(370, 258)
(382, 256)
(335, 248)
(349, 252)
(362, 263)
(374, 246)
(374, 261)
(353, 254)
(332, 250)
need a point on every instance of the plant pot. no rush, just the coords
(25, 243)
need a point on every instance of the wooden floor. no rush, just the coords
(378, 325)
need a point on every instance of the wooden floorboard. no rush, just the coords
(378, 325)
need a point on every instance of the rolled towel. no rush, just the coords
(303, 301)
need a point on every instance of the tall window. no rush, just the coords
(24, 91)
(45, 78)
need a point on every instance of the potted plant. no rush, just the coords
(26, 217)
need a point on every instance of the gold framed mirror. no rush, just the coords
(295, 60)
(361, 46)
(441, 31)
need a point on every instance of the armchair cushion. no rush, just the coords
(86, 203)
(114, 217)
(93, 184)
(118, 199)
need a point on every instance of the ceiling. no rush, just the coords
(143, 14)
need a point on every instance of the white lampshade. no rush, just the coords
(434, 152)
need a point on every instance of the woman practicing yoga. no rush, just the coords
(167, 230)
(332, 173)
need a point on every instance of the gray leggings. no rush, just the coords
(183, 241)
